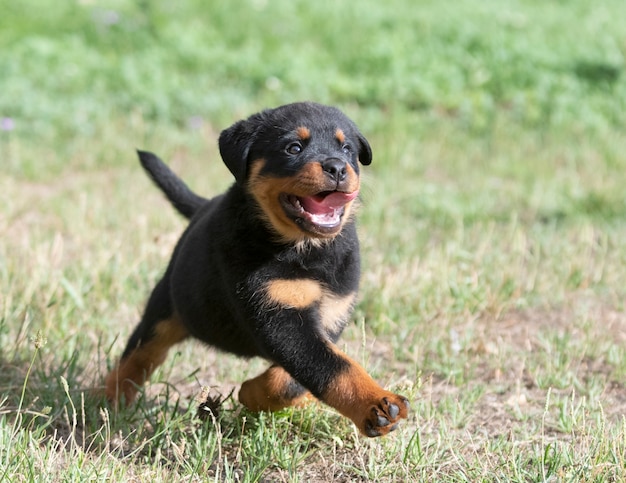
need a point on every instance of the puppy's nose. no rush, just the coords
(335, 168)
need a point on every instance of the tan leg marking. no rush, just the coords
(136, 368)
(270, 391)
(357, 396)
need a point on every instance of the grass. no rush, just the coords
(492, 233)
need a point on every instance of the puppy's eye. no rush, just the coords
(346, 148)
(294, 148)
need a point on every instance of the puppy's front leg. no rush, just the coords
(331, 376)
(354, 393)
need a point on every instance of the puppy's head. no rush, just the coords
(300, 163)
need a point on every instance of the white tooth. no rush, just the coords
(328, 219)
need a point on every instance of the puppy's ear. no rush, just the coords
(235, 143)
(365, 151)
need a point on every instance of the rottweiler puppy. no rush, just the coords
(269, 268)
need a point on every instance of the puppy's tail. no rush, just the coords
(184, 200)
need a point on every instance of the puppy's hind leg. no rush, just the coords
(160, 329)
(273, 390)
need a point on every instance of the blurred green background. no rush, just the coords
(67, 69)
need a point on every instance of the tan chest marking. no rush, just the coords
(335, 310)
(297, 294)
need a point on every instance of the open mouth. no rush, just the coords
(320, 213)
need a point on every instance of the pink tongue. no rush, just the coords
(328, 203)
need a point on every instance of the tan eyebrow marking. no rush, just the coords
(341, 137)
(303, 133)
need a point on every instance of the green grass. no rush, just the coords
(492, 231)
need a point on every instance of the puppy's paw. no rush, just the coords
(384, 415)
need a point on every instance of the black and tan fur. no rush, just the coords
(256, 274)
